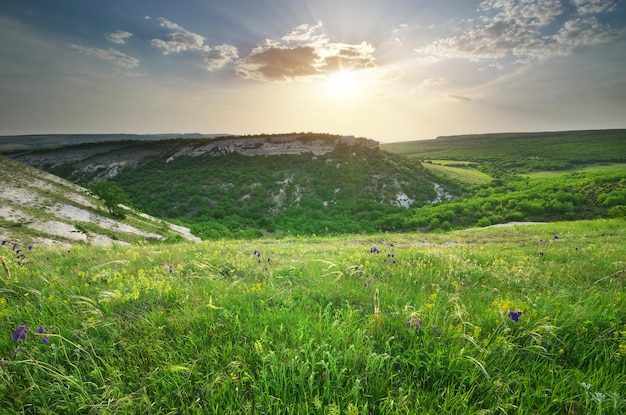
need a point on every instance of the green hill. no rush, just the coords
(292, 183)
(521, 152)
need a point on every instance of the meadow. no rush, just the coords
(520, 319)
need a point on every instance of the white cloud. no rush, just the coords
(495, 41)
(118, 37)
(180, 39)
(522, 30)
(585, 31)
(594, 6)
(220, 56)
(111, 55)
(434, 82)
(523, 12)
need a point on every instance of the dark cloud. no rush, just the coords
(279, 63)
(304, 53)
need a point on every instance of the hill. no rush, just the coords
(42, 209)
(293, 183)
(25, 142)
(502, 153)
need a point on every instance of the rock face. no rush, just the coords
(45, 209)
(270, 146)
(106, 160)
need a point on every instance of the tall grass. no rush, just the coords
(391, 323)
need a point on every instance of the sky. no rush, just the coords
(389, 70)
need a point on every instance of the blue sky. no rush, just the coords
(388, 70)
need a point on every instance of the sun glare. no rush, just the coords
(343, 83)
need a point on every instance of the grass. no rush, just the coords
(592, 168)
(457, 171)
(390, 323)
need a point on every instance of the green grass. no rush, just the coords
(593, 168)
(322, 325)
(456, 171)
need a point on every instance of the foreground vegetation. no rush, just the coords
(525, 320)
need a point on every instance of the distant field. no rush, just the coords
(464, 174)
(610, 167)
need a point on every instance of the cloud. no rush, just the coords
(118, 37)
(523, 30)
(433, 82)
(495, 41)
(523, 13)
(584, 7)
(220, 56)
(179, 39)
(460, 98)
(303, 53)
(585, 31)
(112, 55)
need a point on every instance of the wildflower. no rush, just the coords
(30, 247)
(374, 250)
(20, 333)
(171, 270)
(515, 315)
(367, 283)
(45, 340)
(41, 329)
(4, 242)
(437, 332)
(414, 322)
(555, 238)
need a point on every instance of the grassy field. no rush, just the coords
(605, 167)
(458, 171)
(523, 319)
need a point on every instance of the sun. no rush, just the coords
(343, 83)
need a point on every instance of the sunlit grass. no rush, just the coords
(463, 174)
(592, 168)
(389, 323)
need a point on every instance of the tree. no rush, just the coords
(112, 195)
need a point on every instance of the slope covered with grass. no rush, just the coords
(525, 320)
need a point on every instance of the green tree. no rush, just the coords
(112, 195)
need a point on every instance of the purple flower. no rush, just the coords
(555, 237)
(30, 247)
(437, 332)
(41, 329)
(20, 333)
(515, 315)
(45, 340)
(4, 242)
(170, 269)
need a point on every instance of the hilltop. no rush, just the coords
(43, 209)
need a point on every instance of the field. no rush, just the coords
(592, 168)
(458, 170)
(521, 319)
